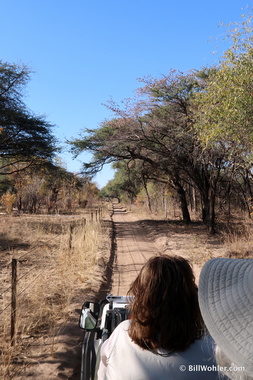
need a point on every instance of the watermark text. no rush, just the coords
(209, 368)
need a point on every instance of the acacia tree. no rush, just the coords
(159, 132)
(156, 131)
(130, 177)
(189, 130)
(24, 137)
(123, 185)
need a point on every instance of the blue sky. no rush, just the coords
(86, 52)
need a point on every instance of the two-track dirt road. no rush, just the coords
(133, 248)
(137, 239)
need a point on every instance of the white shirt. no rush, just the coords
(122, 359)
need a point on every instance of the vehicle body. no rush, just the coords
(98, 321)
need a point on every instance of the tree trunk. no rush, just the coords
(19, 204)
(211, 219)
(183, 202)
(147, 195)
(195, 202)
(208, 209)
(205, 210)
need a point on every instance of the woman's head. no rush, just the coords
(165, 311)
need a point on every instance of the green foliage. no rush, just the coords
(126, 183)
(225, 107)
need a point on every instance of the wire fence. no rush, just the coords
(17, 279)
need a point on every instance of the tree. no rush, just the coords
(223, 111)
(24, 137)
(225, 107)
(156, 131)
(126, 183)
(159, 132)
(190, 131)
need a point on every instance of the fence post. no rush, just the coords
(13, 299)
(71, 228)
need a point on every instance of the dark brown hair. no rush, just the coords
(165, 311)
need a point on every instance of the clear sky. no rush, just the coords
(86, 52)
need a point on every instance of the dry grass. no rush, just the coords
(55, 257)
(238, 240)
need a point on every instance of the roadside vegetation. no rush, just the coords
(55, 264)
(188, 135)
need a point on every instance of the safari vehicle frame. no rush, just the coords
(98, 320)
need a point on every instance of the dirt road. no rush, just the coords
(138, 239)
(133, 248)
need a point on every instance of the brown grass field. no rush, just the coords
(57, 257)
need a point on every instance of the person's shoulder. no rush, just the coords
(121, 328)
(124, 325)
(120, 333)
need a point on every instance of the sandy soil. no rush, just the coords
(134, 240)
(138, 239)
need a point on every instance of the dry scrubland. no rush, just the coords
(61, 261)
(234, 237)
(57, 257)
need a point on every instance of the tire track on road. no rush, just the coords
(133, 249)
